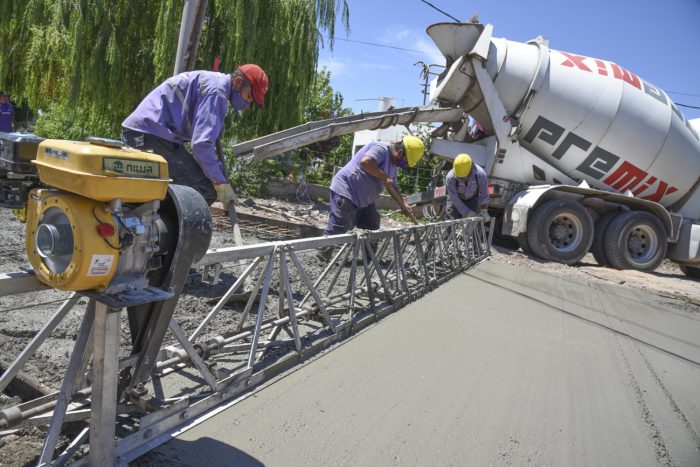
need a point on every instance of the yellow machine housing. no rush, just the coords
(102, 173)
(76, 257)
(78, 233)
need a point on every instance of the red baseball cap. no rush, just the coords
(258, 82)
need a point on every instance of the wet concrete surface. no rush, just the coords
(500, 366)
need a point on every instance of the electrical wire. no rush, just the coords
(443, 12)
(119, 248)
(387, 46)
(688, 106)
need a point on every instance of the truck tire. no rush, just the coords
(635, 240)
(691, 271)
(560, 230)
(598, 245)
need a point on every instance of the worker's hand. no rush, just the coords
(388, 182)
(225, 194)
(484, 214)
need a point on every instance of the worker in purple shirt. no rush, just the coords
(7, 114)
(357, 186)
(467, 190)
(191, 107)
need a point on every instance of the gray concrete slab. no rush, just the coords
(500, 366)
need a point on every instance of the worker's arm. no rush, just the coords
(369, 165)
(208, 123)
(454, 197)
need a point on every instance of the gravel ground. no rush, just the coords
(21, 316)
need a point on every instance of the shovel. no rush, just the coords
(399, 201)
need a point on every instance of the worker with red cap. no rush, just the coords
(191, 107)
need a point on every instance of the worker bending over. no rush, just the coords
(191, 107)
(467, 190)
(357, 186)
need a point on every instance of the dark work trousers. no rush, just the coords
(345, 215)
(182, 167)
(472, 203)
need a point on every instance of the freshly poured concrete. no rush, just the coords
(500, 366)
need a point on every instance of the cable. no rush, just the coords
(438, 9)
(119, 248)
(387, 46)
(688, 106)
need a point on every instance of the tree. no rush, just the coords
(323, 102)
(88, 63)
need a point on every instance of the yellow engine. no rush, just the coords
(97, 229)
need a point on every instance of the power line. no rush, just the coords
(443, 12)
(683, 93)
(387, 46)
(374, 44)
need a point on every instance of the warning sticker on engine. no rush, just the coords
(100, 265)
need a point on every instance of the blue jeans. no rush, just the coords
(345, 215)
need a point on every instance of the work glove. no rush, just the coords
(484, 214)
(225, 194)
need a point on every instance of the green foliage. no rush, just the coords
(88, 63)
(61, 121)
(313, 164)
(323, 101)
(253, 179)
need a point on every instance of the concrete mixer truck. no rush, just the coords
(582, 154)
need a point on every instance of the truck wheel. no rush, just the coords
(635, 240)
(561, 231)
(598, 245)
(691, 271)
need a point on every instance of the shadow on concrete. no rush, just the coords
(204, 451)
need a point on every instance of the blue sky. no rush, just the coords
(658, 41)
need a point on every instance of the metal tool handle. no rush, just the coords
(399, 200)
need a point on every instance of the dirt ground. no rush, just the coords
(22, 315)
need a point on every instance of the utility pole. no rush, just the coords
(190, 33)
(195, 34)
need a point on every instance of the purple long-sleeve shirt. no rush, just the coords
(475, 183)
(353, 182)
(190, 107)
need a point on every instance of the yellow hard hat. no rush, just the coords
(414, 149)
(462, 165)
